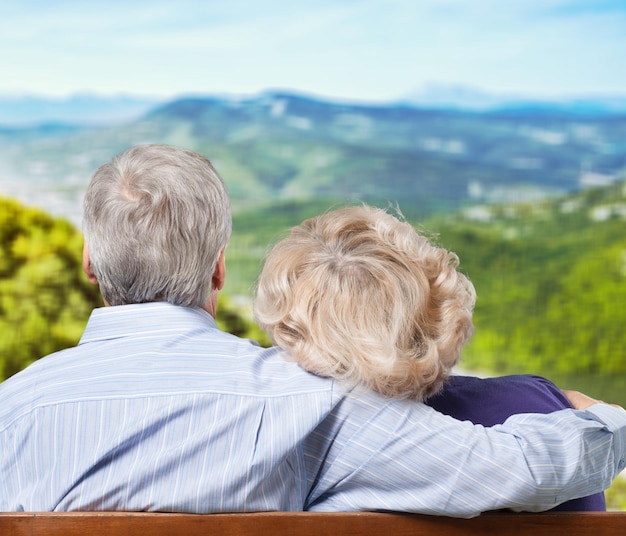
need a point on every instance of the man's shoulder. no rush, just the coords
(200, 364)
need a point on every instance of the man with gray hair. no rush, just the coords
(157, 409)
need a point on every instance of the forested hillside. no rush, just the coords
(551, 281)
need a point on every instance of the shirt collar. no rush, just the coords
(142, 319)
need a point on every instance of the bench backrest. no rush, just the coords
(308, 524)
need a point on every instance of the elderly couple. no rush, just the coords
(353, 409)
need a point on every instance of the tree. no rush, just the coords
(45, 299)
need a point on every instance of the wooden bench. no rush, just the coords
(308, 524)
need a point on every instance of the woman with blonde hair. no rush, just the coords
(358, 295)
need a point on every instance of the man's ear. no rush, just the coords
(217, 283)
(219, 274)
(87, 266)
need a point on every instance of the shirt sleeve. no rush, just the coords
(374, 453)
(492, 400)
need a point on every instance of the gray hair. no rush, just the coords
(156, 219)
(360, 296)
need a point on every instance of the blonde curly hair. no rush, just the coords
(360, 296)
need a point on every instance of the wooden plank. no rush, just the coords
(308, 524)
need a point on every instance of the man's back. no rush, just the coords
(159, 412)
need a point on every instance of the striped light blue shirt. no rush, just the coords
(157, 409)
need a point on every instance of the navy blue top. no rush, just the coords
(490, 401)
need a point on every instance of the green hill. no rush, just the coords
(290, 147)
(551, 281)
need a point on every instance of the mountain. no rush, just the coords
(291, 146)
(459, 97)
(80, 109)
(280, 146)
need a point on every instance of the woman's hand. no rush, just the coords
(579, 400)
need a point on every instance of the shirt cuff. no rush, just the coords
(615, 421)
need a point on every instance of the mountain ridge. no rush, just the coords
(460, 97)
(29, 110)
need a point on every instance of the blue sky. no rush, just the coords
(354, 49)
